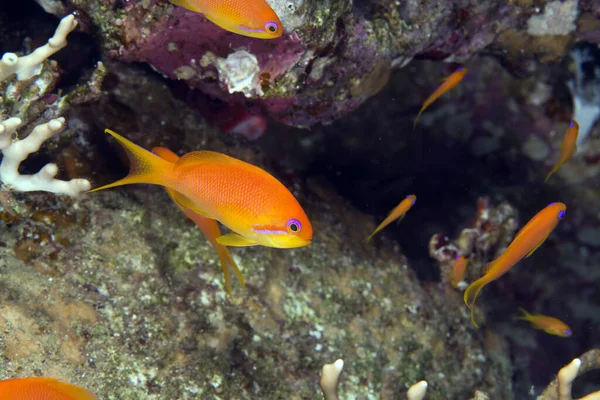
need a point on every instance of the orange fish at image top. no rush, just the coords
(566, 148)
(398, 212)
(42, 389)
(548, 324)
(449, 83)
(253, 18)
(529, 238)
(209, 227)
(258, 208)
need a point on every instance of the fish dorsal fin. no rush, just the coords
(235, 240)
(187, 4)
(185, 202)
(536, 247)
(208, 157)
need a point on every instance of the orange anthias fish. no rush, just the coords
(398, 212)
(209, 227)
(458, 270)
(42, 388)
(533, 234)
(548, 324)
(246, 199)
(449, 83)
(566, 148)
(248, 18)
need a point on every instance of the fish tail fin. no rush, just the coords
(525, 315)
(145, 167)
(550, 174)
(368, 238)
(72, 391)
(418, 116)
(471, 295)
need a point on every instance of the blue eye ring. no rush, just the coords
(271, 27)
(561, 214)
(568, 332)
(572, 124)
(293, 226)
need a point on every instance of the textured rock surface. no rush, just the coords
(120, 293)
(335, 54)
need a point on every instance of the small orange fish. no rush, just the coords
(42, 388)
(248, 18)
(398, 212)
(548, 324)
(246, 199)
(209, 227)
(529, 238)
(458, 270)
(449, 83)
(566, 148)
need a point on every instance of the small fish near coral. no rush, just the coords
(42, 389)
(550, 325)
(398, 212)
(529, 238)
(449, 83)
(254, 205)
(248, 18)
(567, 148)
(458, 270)
(209, 227)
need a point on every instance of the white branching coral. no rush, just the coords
(16, 151)
(30, 65)
(330, 377)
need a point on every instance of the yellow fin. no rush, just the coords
(185, 202)
(227, 261)
(187, 4)
(144, 167)
(536, 247)
(233, 239)
(526, 316)
(471, 295)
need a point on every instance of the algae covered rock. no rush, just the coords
(333, 55)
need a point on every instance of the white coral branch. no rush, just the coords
(16, 151)
(30, 65)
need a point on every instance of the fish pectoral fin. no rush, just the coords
(235, 240)
(536, 247)
(185, 202)
(186, 4)
(400, 218)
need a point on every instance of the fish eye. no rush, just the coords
(271, 27)
(572, 124)
(561, 214)
(294, 226)
(568, 332)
